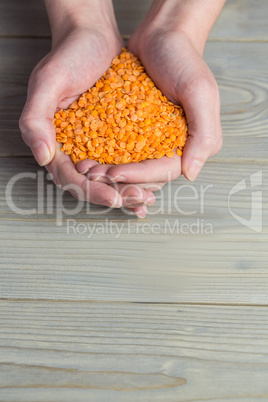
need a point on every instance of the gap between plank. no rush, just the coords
(6, 299)
(127, 36)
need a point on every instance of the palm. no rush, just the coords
(183, 76)
(167, 68)
(158, 170)
(76, 65)
(79, 63)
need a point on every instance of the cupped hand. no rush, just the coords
(178, 69)
(74, 64)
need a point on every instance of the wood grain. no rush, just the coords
(240, 20)
(61, 351)
(93, 255)
(155, 312)
(17, 59)
(23, 18)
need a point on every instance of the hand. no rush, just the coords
(177, 68)
(77, 60)
(174, 62)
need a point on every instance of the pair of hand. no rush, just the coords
(74, 65)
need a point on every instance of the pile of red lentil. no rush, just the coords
(124, 118)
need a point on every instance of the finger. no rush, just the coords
(99, 173)
(140, 211)
(35, 122)
(94, 170)
(152, 186)
(64, 174)
(84, 166)
(148, 171)
(134, 195)
(201, 105)
(219, 127)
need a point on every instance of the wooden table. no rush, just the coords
(143, 316)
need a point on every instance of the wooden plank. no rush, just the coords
(240, 19)
(186, 250)
(240, 68)
(241, 73)
(17, 59)
(130, 14)
(34, 22)
(131, 352)
(23, 18)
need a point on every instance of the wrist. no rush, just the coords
(192, 18)
(80, 15)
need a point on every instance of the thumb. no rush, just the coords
(202, 110)
(35, 123)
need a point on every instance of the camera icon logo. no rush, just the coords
(255, 221)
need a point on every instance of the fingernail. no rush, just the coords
(194, 169)
(41, 153)
(116, 203)
(119, 178)
(131, 199)
(150, 201)
(97, 178)
(84, 171)
(140, 214)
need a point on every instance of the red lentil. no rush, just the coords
(123, 118)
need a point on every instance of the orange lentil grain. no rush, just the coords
(170, 154)
(123, 118)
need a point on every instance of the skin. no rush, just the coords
(84, 43)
